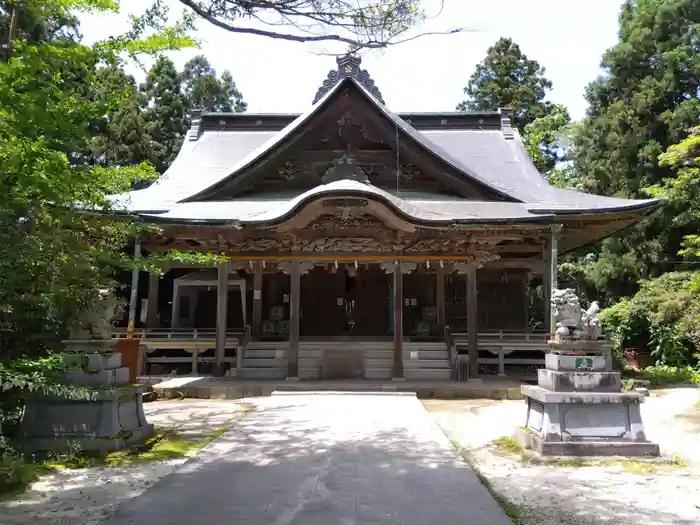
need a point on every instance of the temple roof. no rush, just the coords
(481, 149)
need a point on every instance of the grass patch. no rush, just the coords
(16, 473)
(509, 445)
(511, 510)
(663, 375)
(164, 446)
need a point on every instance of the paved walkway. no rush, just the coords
(322, 459)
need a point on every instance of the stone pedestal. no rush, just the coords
(578, 408)
(111, 418)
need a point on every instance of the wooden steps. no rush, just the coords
(422, 360)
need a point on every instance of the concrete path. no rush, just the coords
(323, 459)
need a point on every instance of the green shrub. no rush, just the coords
(662, 317)
(664, 375)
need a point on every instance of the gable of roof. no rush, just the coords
(481, 148)
(293, 131)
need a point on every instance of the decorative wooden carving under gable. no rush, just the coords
(439, 245)
(406, 267)
(347, 221)
(347, 245)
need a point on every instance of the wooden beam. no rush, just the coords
(345, 257)
(537, 266)
(256, 326)
(294, 315)
(472, 321)
(221, 317)
(152, 307)
(398, 323)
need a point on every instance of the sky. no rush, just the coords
(567, 37)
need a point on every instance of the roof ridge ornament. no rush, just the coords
(506, 125)
(348, 67)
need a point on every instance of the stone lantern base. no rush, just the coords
(578, 407)
(112, 418)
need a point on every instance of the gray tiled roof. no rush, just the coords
(490, 158)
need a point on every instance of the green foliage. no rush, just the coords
(506, 78)
(662, 316)
(645, 101)
(664, 375)
(205, 90)
(682, 191)
(71, 135)
(166, 114)
(542, 139)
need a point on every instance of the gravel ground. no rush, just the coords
(591, 495)
(87, 496)
(545, 495)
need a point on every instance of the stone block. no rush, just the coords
(342, 364)
(112, 420)
(545, 396)
(203, 392)
(573, 363)
(104, 361)
(579, 381)
(99, 378)
(585, 423)
(217, 392)
(586, 448)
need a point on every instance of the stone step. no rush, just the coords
(377, 373)
(309, 373)
(442, 374)
(424, 346)
(253, 362)
(427, 363)
(382, 364)
(425, 354)
(264, 373)
(263, 353)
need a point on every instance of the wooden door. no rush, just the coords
(370, 291)
(321, 315)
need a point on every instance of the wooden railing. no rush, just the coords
(500, 344)
(191, 344)
(240, 352)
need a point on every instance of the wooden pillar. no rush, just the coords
(440, 296)
(294, 316)
(472, 320)
(256, 323)
(552, 271)
(397, 373)
(546, 290)
(221, 316)
(153, 291)
(133, 297)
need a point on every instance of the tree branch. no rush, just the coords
(288, 10)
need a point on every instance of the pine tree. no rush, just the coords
(206, 91)
(121, 137)
(507, 78)
(646, 100)
(166, 114)
(233, 97)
